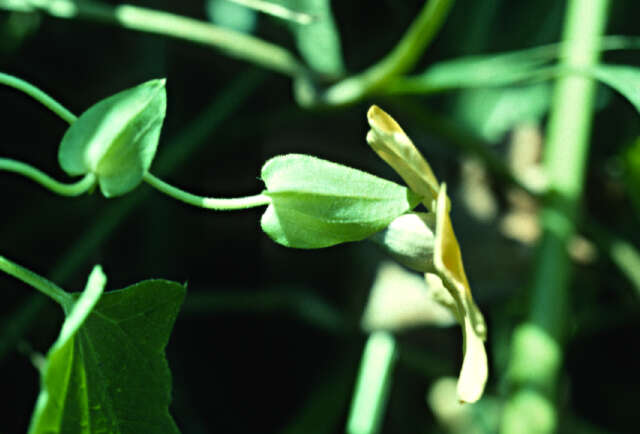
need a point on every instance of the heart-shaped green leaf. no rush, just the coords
(107, 371)
(116, 139)
(317, 203)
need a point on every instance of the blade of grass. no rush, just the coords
(372, 387)
(536, 358)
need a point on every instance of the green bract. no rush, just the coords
(116, 139)
(317, 203)
(107, 371)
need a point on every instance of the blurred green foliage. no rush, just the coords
(273, 332)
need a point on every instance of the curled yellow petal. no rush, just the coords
(391, 143)
(448, 263)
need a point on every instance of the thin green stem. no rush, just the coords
(372, 387)
(43, 285)
(207, 202)
(74, 189)
(38, 95)
(536, 357)
(233, 43)
(178, 150)
(400, 60)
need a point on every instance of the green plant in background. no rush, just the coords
(313, 203)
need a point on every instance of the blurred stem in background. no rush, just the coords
(536, 357)
(233, 43)
(372, 387)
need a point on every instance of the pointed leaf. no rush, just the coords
(107, 371)
(317, 203)
(116, 139)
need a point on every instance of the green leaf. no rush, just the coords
(492, 112)
(107, 371)
(116, 139)
(318, 40)
(317, 203)
(226, 13)
(624, 79)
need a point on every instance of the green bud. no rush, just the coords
(410, 240)
(316, 203)
(116, 139)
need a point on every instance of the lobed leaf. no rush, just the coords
(317, 203)
(107, 371)
(116, 139)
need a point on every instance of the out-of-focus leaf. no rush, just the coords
(116, 139)
(317, 203)
(226, 13)
(631, 158)
(624, 79)
(318, 41)
(400, 299)
(107, 371)
(492, 112)
(477, 71)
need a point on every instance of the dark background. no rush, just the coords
(253, 363)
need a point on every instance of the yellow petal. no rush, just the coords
(449, 266)
(391, 143)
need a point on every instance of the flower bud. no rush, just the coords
(410, 239)
(316, 203)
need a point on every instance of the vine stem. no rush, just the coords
(536, 358)
(39, 96)
(74, 189)
(235, 44)
(43, 285)
(207, 202)
(401, 59)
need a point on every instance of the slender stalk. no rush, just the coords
(400, 60)
(74, 189)
(38, 95)
(372, 387)
(536, 357)
(207, 202)
(43, 285)
(178, 151)
(235, 44)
